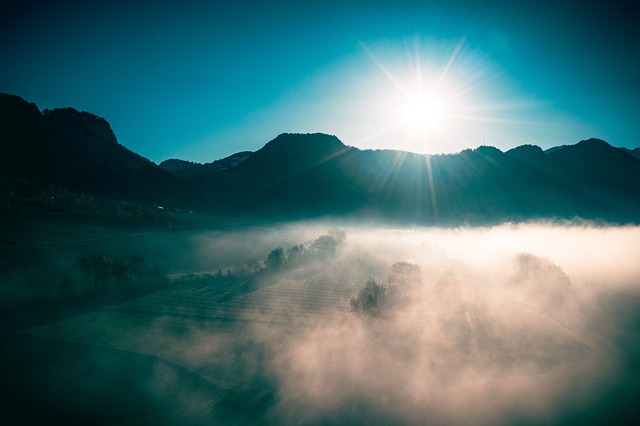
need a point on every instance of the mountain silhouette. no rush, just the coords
(182, 168)
(76, 150)
(291, 176)
(314, 175)
(633, 152)
(300, 175)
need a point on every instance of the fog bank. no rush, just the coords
(326, 323)
(516, 323)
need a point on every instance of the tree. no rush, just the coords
(275, 260)
(295, 255)
(404, 278)
(96, 270)
(372, 299)
(324, 246)
(403, 273)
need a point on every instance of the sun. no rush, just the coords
(423, 112)
(424, 98)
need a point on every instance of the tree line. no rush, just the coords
(92, 278)
(316, 251)
(321, 249)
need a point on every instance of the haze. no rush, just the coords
(527, 324)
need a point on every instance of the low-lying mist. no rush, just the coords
(322, 323)
(511, 324)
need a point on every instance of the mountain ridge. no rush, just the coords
(298, 176)
(183, 169)
(74, 149)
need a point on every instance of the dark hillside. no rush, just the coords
(76, 150)
(25, 153)
(633, 152)
(291, 176)
(183, 169)
(316, 175)
(607, 178)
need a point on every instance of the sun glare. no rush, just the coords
(426, 97)
(423, 113)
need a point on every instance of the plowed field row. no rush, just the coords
(319, 298)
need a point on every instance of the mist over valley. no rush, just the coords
(311, 323)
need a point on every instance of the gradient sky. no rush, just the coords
(202, 80)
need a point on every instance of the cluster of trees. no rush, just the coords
(123, 277)
(93, 277)
(540, 280)
(316, 251)
(372, 299)
(537, 280)
(278, 259)
(378, 296)
(322, 248)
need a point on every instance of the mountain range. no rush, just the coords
(316, 175)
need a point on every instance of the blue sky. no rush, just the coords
(202, 80)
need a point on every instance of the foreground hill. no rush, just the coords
(314, 175)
